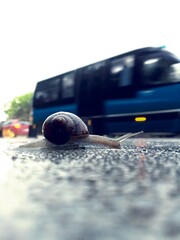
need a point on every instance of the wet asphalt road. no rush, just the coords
(131, 193)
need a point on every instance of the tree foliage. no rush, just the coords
(19, 107)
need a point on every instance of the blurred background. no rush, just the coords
(43, 39)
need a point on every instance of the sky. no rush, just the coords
(40, 39)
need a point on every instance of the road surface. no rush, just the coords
(131, 193)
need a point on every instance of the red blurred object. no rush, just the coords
(15, 127)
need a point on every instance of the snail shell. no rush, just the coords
(63, 128)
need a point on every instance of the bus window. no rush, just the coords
(174, 73)
(68, 85)
(120, 77)
(160, 70)
(47, 92)
(121, 70)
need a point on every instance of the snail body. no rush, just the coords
(67, 129)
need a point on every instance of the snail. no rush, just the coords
(66, 129)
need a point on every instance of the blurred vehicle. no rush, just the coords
(137, 90)
(1, 124)
(15, 127)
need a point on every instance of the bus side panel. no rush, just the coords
(154, 126)
(165, 98)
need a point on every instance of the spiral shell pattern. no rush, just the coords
(61, 127)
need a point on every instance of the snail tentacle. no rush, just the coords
(128, 135)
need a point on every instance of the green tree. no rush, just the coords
(19, 107)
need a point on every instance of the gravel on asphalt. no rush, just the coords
(84, 194)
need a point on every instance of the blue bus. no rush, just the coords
(136, 91)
